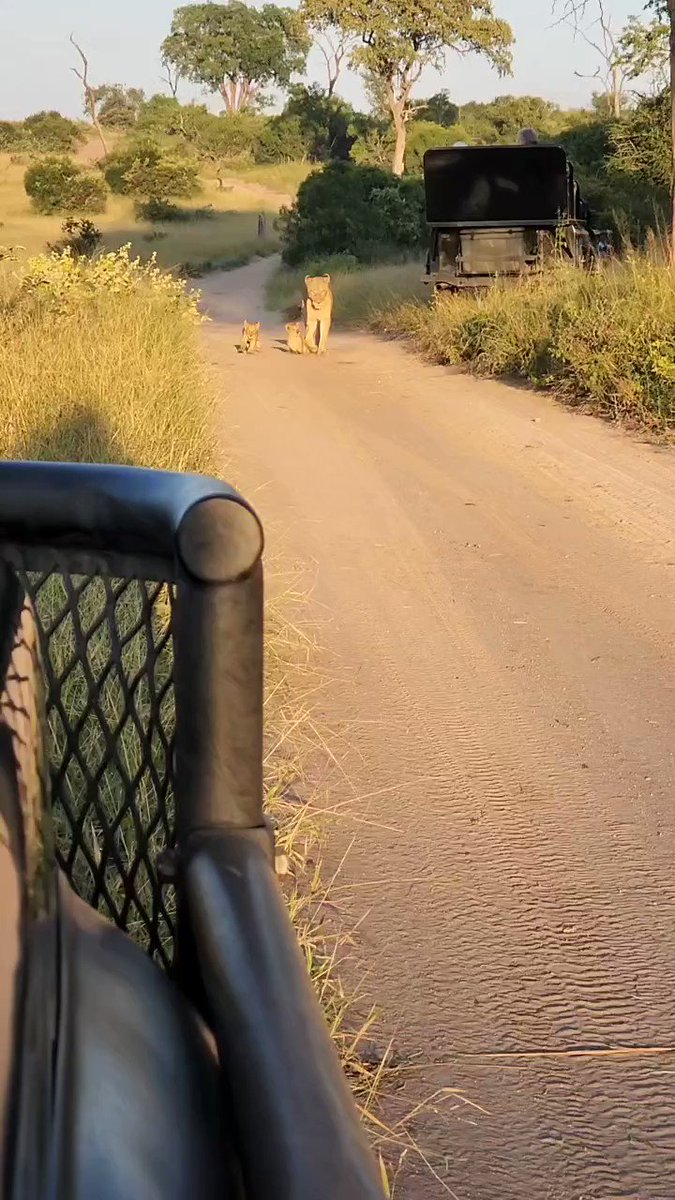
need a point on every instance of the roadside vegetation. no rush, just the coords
(605, 342)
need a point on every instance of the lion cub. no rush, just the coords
(250, 337)
(318, 311)
(296, 338)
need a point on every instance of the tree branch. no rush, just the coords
(90, 93)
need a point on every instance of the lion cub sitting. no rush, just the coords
(250, 337)
(318, 311)
(296, 338)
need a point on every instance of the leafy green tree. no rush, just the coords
(439, 109)
(119, 107)
(282, 140)
(159, 115)
(644, 49)
(641, 142)
(399, 38)
(500, 120)
(325, 122)
(423, 136)
(235, 50)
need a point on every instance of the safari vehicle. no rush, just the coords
(159, 1035)
(503, 212)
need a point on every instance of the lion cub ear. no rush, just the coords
(327, 278)
(307, 278)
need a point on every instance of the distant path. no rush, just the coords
(495, 581)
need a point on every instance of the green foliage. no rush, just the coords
(230, 137)
(281, 140)
(11, 135)
(325, 122)
(500, 120)
(438, 109)
(81, 238)
(374, 142)
(119, 107)
(49, 132)
(423, 136)
(161, 212)
(644, 47)
(115, 167)
(606, 340)
(144, 170)
(395, 40)
(642, 141)
(235, 50)
(159, 115)
(59, 185)
(360, 211)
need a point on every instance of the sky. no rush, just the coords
(122, 39)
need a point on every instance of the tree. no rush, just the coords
(602, 38)
(439, 109)
(335, 47)
(91, 94)
(235, 50)
(325, 122)
(119, 106)
(501, 119)
(399, 38)
(644, 48)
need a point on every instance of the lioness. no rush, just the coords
(250, 337)
(318, 311)
(296, 338)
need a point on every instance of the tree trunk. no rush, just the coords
(617, 97)
(398, 161)
(671, 14)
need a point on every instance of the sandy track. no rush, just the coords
(495, 583)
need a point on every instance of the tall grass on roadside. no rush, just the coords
(360, 292)
(604, 340)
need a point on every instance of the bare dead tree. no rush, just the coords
(334, 46)
(171, 77)
(91, 94)
(601, 37)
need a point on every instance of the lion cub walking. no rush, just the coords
(318, 312)
(295, 338)
(250, 337)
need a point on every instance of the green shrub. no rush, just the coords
(282, 139)
(116, 165)
(81, 238)
(144, 170)
(362, 211)
(59, 185)
(49, 132)
(423, 136)
(605, 340)
(157, 211)
(11, 135)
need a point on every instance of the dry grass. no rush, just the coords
(360, 292)
(229, 238)
(604, 341)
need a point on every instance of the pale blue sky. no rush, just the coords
(122, 38)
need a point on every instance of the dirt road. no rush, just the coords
(495, 580)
